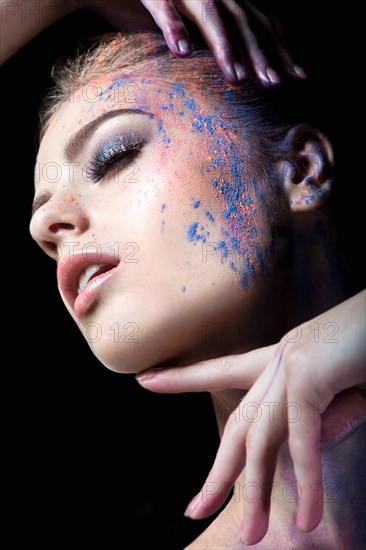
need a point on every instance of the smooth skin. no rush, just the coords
(284, 373)
(305, 371)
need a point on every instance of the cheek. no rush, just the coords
(220, 202)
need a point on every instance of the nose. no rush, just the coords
(58, 221)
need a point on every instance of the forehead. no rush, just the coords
(164, 101)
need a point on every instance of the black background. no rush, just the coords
(94, 457)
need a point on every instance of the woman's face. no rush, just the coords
(155, 220)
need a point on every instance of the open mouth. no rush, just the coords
(80, 277)
(90, 272)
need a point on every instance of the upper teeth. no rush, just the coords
(86, 274)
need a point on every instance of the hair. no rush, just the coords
(146, 55)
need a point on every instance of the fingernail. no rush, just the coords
(184, 46)
(243, 538)
(193, 505)
(299, 522)
(273, 76)
(299, 71)
(148, 375)
(239, 70)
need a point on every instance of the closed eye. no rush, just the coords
(107, 160)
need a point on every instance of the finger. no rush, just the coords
(284, 57)
(304, 445)
(168, 19)
(228, 464)
(233, 371)
(263, 441)
(250, 47)
(208, 19)
(231, 456)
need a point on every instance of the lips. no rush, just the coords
(81, 275)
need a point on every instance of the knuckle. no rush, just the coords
(296, 447)
(296, 363)
(258, 55)
(256, 444)
(223, 51)
(232, 427)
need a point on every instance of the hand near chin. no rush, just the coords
(234, 30)
(297, 388)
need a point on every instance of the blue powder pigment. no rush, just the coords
(257, 191)
(192, 231)
(118, 82)
(240, 212)
(183, 289)
(193, 235)
(244, 280)
(203, 123)
(190, 104)
(224, 251)
(163, 207)
(230, 179)
(179, 90)
(162, 226)
(162, 131)
(250, 269)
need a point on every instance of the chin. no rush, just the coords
(133, 351)
(123, 357)
(164, 331)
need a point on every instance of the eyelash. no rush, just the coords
(102, 163)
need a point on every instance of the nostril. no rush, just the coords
(55, 227)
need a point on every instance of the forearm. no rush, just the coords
(22, 20)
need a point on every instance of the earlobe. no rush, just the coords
(306, 170)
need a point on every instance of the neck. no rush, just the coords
(314, 280)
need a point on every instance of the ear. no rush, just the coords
(306, 168)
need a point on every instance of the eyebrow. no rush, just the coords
(40, 200)
(77, 141)
(75, 144)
